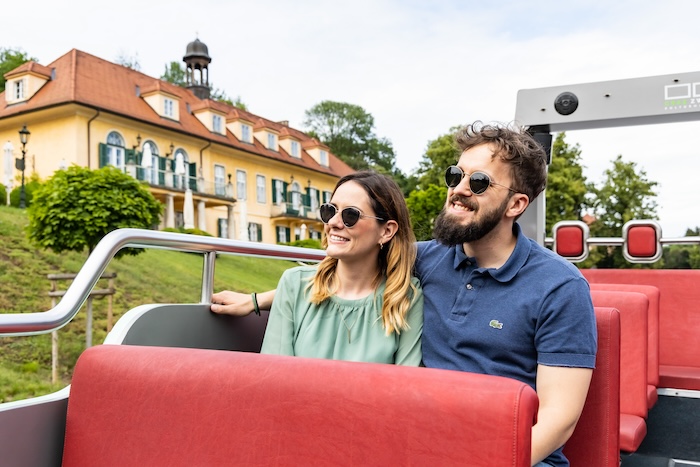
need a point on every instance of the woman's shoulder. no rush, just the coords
(300, 272)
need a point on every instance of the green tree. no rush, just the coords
(566, 184)
(175, 74)
(75, 208)
(440, 154)
(424, 207)
(683, 256)
(624, 195)
(11, 59)
(348, 130)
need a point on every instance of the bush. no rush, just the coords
(75, 208)
(29, 188)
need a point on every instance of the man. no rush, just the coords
(496, 302)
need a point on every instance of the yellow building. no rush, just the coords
(215, 167)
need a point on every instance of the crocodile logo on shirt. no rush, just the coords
(494, 323)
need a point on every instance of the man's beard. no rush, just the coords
(449, 231)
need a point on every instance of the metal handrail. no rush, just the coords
(619, 241)
(24, 324)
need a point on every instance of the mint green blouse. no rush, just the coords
(338, 329)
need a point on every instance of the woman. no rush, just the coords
(361, 303)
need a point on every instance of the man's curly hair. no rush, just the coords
(514, 146)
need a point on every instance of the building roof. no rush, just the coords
(81, 78)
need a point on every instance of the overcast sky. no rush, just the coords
(419, 67)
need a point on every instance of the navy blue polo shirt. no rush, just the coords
(535, 309)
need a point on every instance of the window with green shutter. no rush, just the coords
(193, 176)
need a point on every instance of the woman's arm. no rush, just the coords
(240, 304)
(409, 351)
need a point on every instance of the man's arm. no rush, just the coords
(562, 392)
(240, 304)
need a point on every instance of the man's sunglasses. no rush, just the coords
(478, 181)
(349, 215)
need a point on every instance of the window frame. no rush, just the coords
(241, 184)
(219, 185)
(260, 193)
(168, 107)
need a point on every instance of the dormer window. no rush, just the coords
(168, 107)
(323, 156)
(216, 123)
(295, 149)
(272, 141)
(246, 133)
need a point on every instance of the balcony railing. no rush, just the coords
(290, 210)
(168, 179)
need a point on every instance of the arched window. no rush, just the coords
(115, 150)
(182, 168)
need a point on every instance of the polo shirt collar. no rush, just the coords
(511, 267)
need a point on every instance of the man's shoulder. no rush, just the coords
(541, 257)
(431, 246)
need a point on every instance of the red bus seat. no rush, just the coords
(633, 308)
(157, 406)
(679, 299)
(652, 294)
(596, 440)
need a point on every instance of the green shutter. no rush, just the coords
(104, 154)
(139, 168)
(260, 232)
(130, 156)
(193, 176)
(274, 183)
(288, 232)
(285, 186)
(161, 171)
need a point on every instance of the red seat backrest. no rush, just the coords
(155, 406)
(652, 293)
(596, 440)
(679, 303)
(633, 308)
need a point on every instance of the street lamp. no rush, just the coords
(23, 138)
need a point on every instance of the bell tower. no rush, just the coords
(197, 60)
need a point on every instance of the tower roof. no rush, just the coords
(197, 49)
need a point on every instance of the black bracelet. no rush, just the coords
(256, 308)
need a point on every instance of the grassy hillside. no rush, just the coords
(154, 276)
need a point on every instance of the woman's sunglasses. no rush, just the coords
(478, 181)
(349, 215)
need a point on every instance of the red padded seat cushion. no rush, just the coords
(679, 377)
(633, 429)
